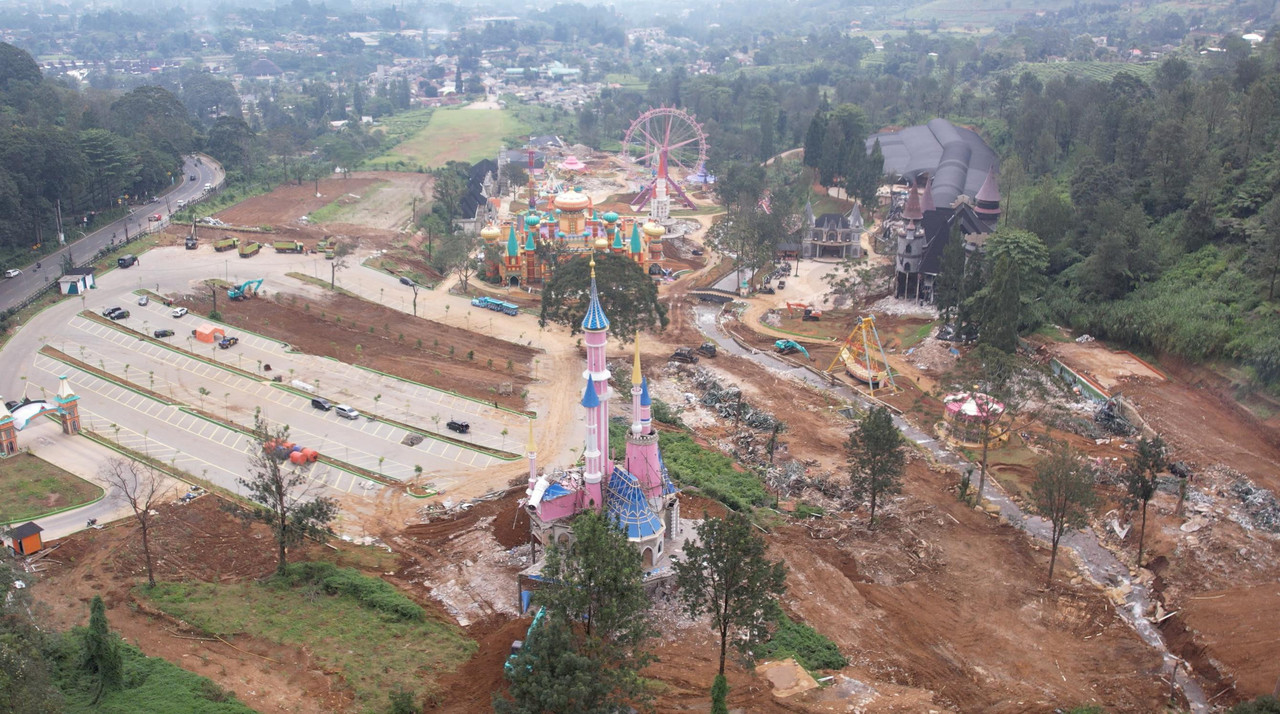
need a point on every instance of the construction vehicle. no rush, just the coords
(250, 249)
(225, 243)
(786, 347)
(707, 349)
(864, 359)
(246, 290)
(518, 645)
(288, 246)
(191, 243)
(684, 354)
(227, 343)
(808, 312)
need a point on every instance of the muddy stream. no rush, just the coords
(1103, 567)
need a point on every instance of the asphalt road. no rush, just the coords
(14, 290)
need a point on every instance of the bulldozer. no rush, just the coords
(787, 347)
(707, 349)
(684, 354)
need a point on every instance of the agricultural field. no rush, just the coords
(980, 12)
(1100, 71)
(452, 135)
(31, 486)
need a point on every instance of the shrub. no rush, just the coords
(809, 647)
(370, 592)
(709, 471)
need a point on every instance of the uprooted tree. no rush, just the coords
(627, 294)
(287, 498)
(142, 486)
(1063, 493)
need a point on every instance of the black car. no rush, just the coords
(323, 405)
(111, 311)
(459, 426)
(405, 281)
(119, 315)
(164, 333)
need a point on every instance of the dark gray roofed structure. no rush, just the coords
(957, 159)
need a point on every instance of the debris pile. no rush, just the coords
(1110, 418)
(1261, 510)
(729, 404)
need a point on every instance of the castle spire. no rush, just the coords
(595, 319)
(636, 378)
(532, 454)
(987, 202)
(926, 198)
(912, 211)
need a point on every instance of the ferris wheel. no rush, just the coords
(669, 132)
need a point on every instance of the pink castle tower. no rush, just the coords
(596, 399)
(643, 461)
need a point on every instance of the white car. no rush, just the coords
(143, 300)
(179, 311)
(13, 273)
(345, 411)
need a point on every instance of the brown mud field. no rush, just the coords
(334, 326)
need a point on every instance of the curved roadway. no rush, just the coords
(13, 291)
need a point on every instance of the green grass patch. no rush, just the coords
(151, 684)
(452, 135)
(916, 336)
(711, 472)
(352, 625)
(626, 81)
(810, 648)
(31, 486)
(1097, 71)
(334, 210)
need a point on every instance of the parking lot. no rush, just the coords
(174, 431)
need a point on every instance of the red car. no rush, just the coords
(153, 217)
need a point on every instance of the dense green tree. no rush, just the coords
(455, 254)
(1007, 303)
(725, 574)
(1265, 704)
(719, 695)
(877, 457)
(232, 142)
(286, 495)
(550, 676)
(949, 285)
(1264, 245)
(1141, 473)
(627, 294)
(101, 657)
(1063, 494)
(25, 685)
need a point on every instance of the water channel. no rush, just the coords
(1102, 565)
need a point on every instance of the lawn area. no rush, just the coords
(342, 619)
(31, 486)
(452, 135)
(337, 209)
(626, 81)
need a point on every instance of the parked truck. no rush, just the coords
(250, 249)
(289, 246)
(191, 243)
(225, 243)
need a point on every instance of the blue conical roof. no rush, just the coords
(589, 398)
(644, 392)
(626, 506)
(595, 319)
(513, 246)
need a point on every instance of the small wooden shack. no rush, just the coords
(25, 539)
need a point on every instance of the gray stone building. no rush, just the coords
(831, 235)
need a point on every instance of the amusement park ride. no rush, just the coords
(864, 359)
(663, 140)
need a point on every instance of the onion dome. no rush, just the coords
(572, 201)
(653, 230)
(601, 243)
(490, 232)
(610, 217)
(532, 220)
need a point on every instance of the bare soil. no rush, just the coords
(317, 331)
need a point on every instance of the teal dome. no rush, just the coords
(610, 217)
(532, 220)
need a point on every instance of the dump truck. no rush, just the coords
(684, 354)
(250, 249)
(289, 246)
(225, 243)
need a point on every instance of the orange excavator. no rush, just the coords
(808, 314)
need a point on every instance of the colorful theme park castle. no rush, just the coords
(635, 493)
(567, 226)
